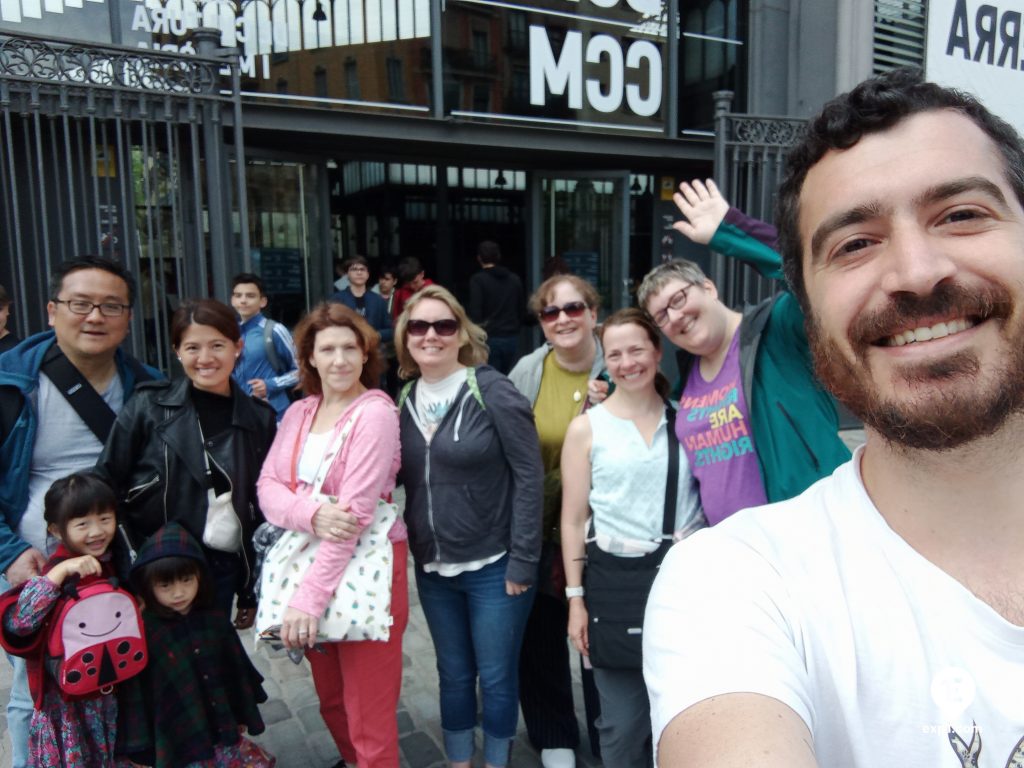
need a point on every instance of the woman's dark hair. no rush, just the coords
(209, 312)
(636, 316)
(4, 298)
(76, 496)
(336, 315)
(170, 569)
(874, 106)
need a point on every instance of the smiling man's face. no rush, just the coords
(93, 335)
(913, 247)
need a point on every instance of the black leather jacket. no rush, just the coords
(153, 458)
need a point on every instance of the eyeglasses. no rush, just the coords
(677, 302)
(82, 307)
(573, 310)
(446, 327)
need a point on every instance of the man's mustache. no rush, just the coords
(948, 300)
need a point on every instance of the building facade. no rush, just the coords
(194, 139)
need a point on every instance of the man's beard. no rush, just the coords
(960, 405)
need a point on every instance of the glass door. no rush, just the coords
(285, 234)
(579, 224)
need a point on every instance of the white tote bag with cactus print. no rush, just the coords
(360, 608)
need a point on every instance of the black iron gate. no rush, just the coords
(127, 153)
(750, 151)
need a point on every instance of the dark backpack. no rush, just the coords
(275, 359)
(95, 638)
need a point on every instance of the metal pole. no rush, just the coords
(242, 199)
(723, 103)
(672, 35)
(436, 60)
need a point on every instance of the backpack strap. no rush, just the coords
(404, 394)
(11, 403)
(474, 387)
(471, 382)
(268, 346)
(91, 408)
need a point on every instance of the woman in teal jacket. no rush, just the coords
(793, 420)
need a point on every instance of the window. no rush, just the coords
(351, 79)
(899, 34)
(396, 86)
(320, 82)
(481, 97)
(481, 48)
(517, 35)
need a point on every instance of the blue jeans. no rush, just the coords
(477, 631)
(20, 707)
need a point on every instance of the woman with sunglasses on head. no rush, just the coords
(555, 379)
(627, 487)
(472, 474)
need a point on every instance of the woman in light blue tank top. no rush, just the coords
(615, 466)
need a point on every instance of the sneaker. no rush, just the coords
(558, 758)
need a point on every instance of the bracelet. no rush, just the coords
(574, 592)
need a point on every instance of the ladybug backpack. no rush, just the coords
(95, 639)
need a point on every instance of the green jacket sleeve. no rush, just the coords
(731, 241)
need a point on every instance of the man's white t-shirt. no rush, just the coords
(816, 602)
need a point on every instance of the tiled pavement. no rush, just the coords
(297, 735)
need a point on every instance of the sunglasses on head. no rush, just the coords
(573, 309)
(446, 327)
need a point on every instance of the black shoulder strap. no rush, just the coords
(672, 483)
(11, 403)
(90, 407)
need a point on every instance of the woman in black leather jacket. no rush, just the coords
(176, 445)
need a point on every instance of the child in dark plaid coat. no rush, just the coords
(199, 693)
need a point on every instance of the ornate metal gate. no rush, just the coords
(749, 154)
(121, 152)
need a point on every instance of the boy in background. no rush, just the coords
(267, 367)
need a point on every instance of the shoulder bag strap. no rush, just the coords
(332, 451)
(672, 481)
(206, 456)
(91, 408)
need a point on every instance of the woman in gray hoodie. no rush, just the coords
(473, 480)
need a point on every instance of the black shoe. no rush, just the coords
(340, 764)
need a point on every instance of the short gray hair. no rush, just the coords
(663, 274)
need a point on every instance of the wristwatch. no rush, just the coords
(574, 592)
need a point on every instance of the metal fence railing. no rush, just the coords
(750, 151)
(121, 152)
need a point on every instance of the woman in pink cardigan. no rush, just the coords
(358, 682)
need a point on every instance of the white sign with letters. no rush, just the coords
(979, 47)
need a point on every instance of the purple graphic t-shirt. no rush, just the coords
(713, 427)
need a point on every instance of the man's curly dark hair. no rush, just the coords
(873, 106)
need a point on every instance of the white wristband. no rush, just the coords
(574, 592)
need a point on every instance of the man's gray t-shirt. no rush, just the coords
(64, 444)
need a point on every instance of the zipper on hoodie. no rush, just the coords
(430, 505)
(426, 473)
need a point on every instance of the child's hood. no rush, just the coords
(172, 540)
